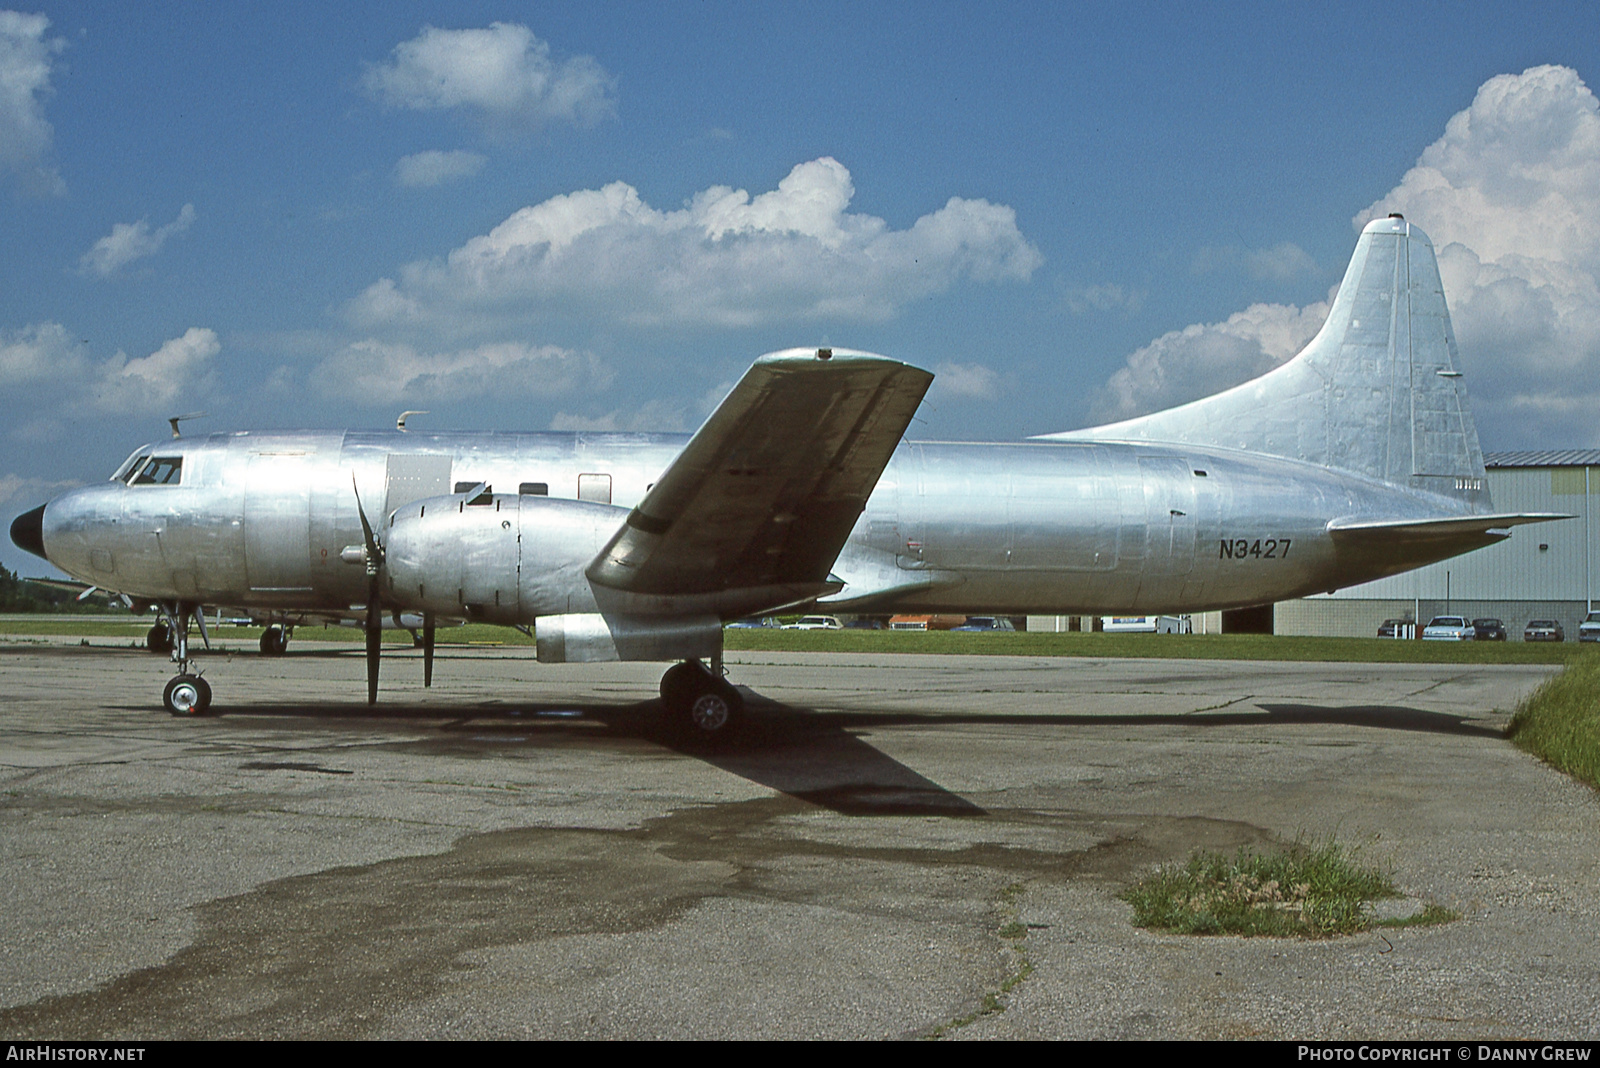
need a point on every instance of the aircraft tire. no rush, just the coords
(158, 639)
(708, 713)
(682, 679)
(274, 641)
(187, 695)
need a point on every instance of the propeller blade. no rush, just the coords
(374, 601)
(374, 640)
(427, 649)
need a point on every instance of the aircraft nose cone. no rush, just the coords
(27, 532)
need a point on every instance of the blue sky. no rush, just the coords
(528, 216)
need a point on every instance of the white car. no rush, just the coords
(1589, 629)
(815, 623)
(1449, 629)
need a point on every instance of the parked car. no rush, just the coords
(1489, 630)
(986, 624)
(1448, 629)
(866, 624)
(1543, 630)
(1589, 629)
(815, 623)
(1391, 627)
(1146, 624)
(752, 622)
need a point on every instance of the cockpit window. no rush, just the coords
(158, 471)
(139, 456)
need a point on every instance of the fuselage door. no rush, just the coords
(1169, 507)
(277, 523)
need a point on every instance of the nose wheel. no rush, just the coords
(187, 695)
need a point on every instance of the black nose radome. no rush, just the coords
(27, 532)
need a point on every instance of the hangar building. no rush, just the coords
(1543, 571)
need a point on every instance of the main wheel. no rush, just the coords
(159, 638)
(274, 641)
(682, 679)
(187, 695)
(705, 710)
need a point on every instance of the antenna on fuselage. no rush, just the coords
(174, 420)
(400, 423)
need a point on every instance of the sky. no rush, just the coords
(570, 216)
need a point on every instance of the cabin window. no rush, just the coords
(534, 489)
(139, 456)
(158, 471)
(595, 488)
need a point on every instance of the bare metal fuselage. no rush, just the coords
(270, 522)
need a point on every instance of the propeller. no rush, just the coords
(374, 626)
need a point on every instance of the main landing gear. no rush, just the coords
(275, 640)
(187, 694)
(701, 705)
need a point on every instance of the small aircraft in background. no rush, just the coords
(1355, 460)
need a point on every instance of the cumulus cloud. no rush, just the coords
(726, 259)
(131, 241)
(1200, 360)
(49, 375)
(504, 74)
(972, 381)
(37, 354)
(1510, 196)
(26, 55)
(177, 372)
(435, 168)
(371, 372)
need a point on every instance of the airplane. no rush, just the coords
(1355, 460)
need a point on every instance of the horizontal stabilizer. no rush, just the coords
(767, 491)
(1445, 527)
(1382, 547)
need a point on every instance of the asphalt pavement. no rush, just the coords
(898, 846)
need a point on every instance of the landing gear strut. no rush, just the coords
(187, 694)
(701, 705)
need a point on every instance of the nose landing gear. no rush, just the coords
(186, 694)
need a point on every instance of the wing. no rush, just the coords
(767, 491)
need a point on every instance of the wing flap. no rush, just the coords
(768, 490)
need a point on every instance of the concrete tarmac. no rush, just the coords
(900, 846)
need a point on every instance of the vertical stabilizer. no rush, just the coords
(1376, 392)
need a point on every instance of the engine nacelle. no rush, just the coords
(590, 637)
(499, 558)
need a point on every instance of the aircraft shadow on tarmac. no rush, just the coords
(811, 757)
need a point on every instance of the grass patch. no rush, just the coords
(1431, 916)
(1560, 721)
(935, 643)
(1174, 646)
(1306, 891)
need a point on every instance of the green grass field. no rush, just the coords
(937, 643)
(1560, 721)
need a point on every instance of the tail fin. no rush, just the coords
(1376, 392)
